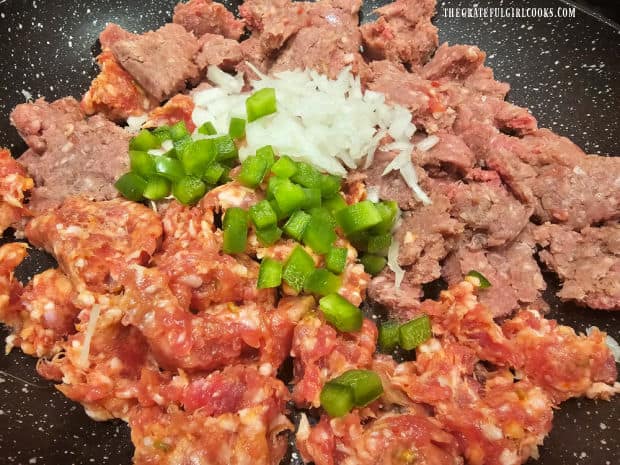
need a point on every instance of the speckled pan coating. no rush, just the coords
(565, 70)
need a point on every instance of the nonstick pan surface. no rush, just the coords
(565, 70)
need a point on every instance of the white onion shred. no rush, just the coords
(372, 194)
(330, 123)
(427, 143)
(393, 253)
(613, 345)
(88, 336)
(134, 123)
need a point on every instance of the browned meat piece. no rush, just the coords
(429, 103)
(483, 81)
(451, 154)
(511, 269)
(453, 62)
(493, 216)
(207, 17)
(426, 235)
(329, 41)
(403, 33)
(14, 183)
(553, 175)
(588, 262)
(160, 61)
(495, 112)
(69, 155)
(112, 34)
(219, 51)
(401, 303)
(252, 52)
(273, 22)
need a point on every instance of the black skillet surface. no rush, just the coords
(565, 70)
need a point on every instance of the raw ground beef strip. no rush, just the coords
(160, 61)
(587, 262)
(68, 154)
(94, 242)
(207, 17)
(403, 33)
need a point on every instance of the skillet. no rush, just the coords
(564, 69)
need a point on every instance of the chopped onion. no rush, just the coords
(231, 84)
(134, 123)
(88, 336)
(427, 143)
(372, 194)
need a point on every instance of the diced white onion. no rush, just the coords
(392, 262)
(427, 143)
(134, 123)
(372, 194)
(88, 336)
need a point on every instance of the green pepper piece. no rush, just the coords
(189, 189)
(197, 156)
(297, 224)
(323, 215)
(415, 332)
(207, 129)
(253, 170)
(141, 163)
(481, 281)
(180, 145)
(388, 211)
(313, 198)
(358, 217)
(274, 206)
(235, 225)
(268, 236)
(322, 282)
(336, 399)
(267, 154)
(340, 313)
(225, 147)
(236, 128)
(373, 264)
(307, 175)
(131, 186)
(388, 336)
(144, 141)
(289, 196)
(297, 268)
(366, 385)
(213, 173)
(262, 215)
(169, 168)
(162, 133)
(178, 131)
(284, 167)
(330, 185)
(336, 259)
(335, 203)
(157, 188)
(261, 103)
(269, 273)
(318, 235)
(379, 245)
(272, 185)
(359, 240)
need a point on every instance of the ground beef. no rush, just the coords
(511, 269)
(329, 41)
(160, 61)
(455, 62)
(450, 154)
(68, 154)
(218, 51)
(112, 34)
(426, 235)
(207, 17)
(178, 108)
(587, 262)
(401, 303)
(492, 215)
(551, 174)
(403, 33)
(429, 102)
